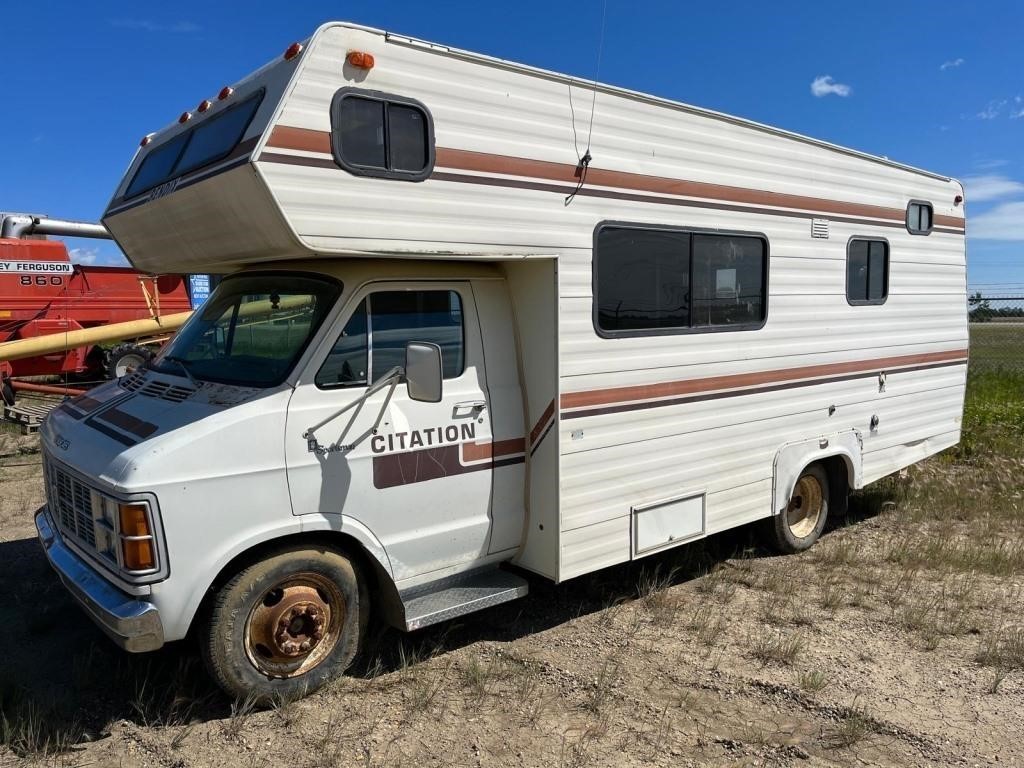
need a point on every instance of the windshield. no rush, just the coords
(251, 330)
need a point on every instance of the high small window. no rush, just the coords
(652, 280)
(376, 134)
(919, 217)
(867, 271)
(375, 336)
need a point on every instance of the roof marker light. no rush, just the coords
(146, 139)
(185, 117)
(204, 105)
(226, 91)
(292, 51)
(360, 60)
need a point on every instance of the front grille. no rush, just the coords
(70, 502)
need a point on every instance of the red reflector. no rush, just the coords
(185, 117)
(145, 140)
(292, 51)
(360, 60)
(226, 91)
(204, 105)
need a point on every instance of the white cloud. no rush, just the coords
(148, 25)
(1004, 222)
(89, 256)
(992, 110)
(990, 187)
(823, 85)
(86, 256)
(987, 165)
(951, 64)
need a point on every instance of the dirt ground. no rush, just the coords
(897, 640)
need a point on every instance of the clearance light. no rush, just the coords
(204, 105)
(958, 199)
(226, 91)
(185, 117)
(360, 60)
(292, 51)
(136, 538)
(145, 140)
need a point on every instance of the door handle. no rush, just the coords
(473, 405)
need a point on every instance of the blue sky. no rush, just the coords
(936, 85)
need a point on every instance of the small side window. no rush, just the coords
(346, 365)
(374, 338)
(919, 217)
(867, 271)
(380, 135)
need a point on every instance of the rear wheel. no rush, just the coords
(285, 626)
(126, 357)
(800, 524)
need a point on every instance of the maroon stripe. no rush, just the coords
(428, 464)
(128, 423)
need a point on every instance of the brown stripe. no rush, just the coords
(429, 464)
(287, 137)
(633, 197)
(480, 451)
(748, 380)
(545, 417)
(644, 404)
(312, 162)
(128, 423)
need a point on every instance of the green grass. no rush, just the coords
(997, 345)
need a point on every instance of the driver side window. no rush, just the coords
(376, 334)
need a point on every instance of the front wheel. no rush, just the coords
(800, 524)
(285, 626)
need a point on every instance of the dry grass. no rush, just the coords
(777, 647)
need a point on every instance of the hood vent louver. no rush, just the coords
(138, 382)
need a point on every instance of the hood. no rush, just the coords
(148, 418)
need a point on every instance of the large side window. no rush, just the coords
(381, 135)
(656, 280)
(375, 336)
(867, 271)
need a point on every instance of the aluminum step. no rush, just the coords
(459, 595)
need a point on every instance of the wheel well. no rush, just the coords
(384, 599)
(839, 473)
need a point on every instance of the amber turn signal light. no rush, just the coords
(136, 538)
(360, 60)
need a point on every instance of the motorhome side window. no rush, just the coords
(867, 271)
(652, 280)
(381, 135)
(919, 217)
(376, 334)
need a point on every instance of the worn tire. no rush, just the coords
(811, 488)
(6, 392)
(126, 356)
(226, 637)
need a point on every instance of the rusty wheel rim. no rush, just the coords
(805, 507)
(295, 625)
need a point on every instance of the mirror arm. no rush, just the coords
(393, 378)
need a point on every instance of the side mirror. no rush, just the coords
(423, 371)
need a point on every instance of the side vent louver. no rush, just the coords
(819, 228)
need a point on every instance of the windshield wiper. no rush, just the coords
(182, 364)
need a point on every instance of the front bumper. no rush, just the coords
(132, 623)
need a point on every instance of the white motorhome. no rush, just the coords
(456, 347)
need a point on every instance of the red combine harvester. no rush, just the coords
(42, 294)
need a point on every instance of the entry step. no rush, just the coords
(459, 595)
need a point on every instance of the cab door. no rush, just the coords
(417, 475)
